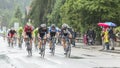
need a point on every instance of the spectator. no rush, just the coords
(112, 38)
(91, 36)
(106, 38)
(85, 39)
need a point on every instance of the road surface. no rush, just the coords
(80, 58)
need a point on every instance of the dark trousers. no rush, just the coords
(107, 45)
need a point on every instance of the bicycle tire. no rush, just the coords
(68, 50)
(43, 51)
(53, 49)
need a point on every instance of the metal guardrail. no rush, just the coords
(79, 39)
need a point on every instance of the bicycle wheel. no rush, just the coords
(12, 43)
(53, 49)
(29, 47)
(9, 43)
(68, 50)
(36, 44)
(21, 41)
(19, 45)
(43, 51)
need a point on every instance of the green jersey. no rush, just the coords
(35, 32)
(20, 31)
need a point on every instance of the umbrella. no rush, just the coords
(110, 23)
(103, 24)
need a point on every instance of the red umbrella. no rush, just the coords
(103, 24)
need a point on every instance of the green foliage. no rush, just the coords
(54, 16)
(13, 20)
(117, 28)
(18, 13)
(79, 14)
(40, 10)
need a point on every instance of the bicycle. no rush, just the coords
(36, 43)
(53, 40)
(29, 47)
(20, 42)
(8, 39)
(42, 48)
(68, 47)
(11, 42)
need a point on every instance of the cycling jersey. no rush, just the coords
(53, 31)
(65, 32)
(35, 32)
(28, 30)
(20, 30)
(11, 33)
(42, 32)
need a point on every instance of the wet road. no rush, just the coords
(81, 58)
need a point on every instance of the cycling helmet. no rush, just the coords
(53, 25)
(43, 25)
(64, 26)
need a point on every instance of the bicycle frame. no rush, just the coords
(68, 47)
(43, 48)
(29, 47)
(53, 45)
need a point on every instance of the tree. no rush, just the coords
(18, 13)
(40, 10)
(54, 16)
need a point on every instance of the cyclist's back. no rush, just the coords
(35, 32)
(20, 31)
(11, 33)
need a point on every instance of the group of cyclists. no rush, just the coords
(40, 36)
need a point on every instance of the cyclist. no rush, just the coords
(53, 31)
(28, 32)
(65, 33)
(42, 34)
(35, 34)
(20, 32)
(11, 34)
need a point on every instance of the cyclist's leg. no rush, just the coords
(63, 44)
(70, 37)
(12, 41)
(45, 39)
(34, 39)
(50, 42)
(40, 44)
(30, 36)
(18, 41)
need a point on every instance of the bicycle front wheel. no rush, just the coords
(43, 51)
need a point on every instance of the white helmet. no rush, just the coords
(53, 25)
(43, 25)
(64, 26)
